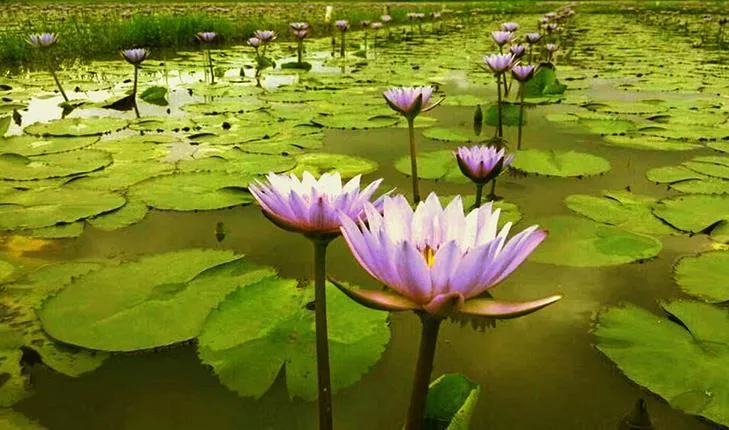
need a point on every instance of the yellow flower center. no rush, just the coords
(429, 255)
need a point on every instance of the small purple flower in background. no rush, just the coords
(376, 25)
(135, 56)
(501, 38)
(365, 23)
(551, 27)
(522, 73)
(342, 25)
(299, 26)
(550, 15)
(385, 18)
(301, 34)
(206, 36)
(532, 38)
(551, 49)
(517, 51)
(499, 63)
(410, 101)
(509, 26)
(42, 40)
(254, 42)
(265, 36)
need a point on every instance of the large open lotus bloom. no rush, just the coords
(502, 37)
(437, 260)
(299, 26)
(135, 56)
(342, 25)
(532, 38)
(522, 73)
(481, 164)
(42, 40)
(517, 51)
(499, 63)
(311, 206)
(206, 36)
(410, 101)
(265, 36)
(509, 26)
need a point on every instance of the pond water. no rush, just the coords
(541, 371)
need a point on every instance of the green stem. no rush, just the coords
(492, 194)
(341, 48)
(322, 337)
(134, 91)
(58, 83)
(413, 160)
(210, 62)
(479, 194)
(500, 129)
(521, 113)
(423, 370)
(300, 50)
(365, 43)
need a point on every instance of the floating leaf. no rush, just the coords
(17, 167)
(650, 143)
(32, 145)
(544, 83)
(155, 95)
(433, 165)
(193, 191)
(704, 276)
(318, 163)
(163, 124)
(670, 174)
(131, 213)
(509, 115)
(450, 403)
(264, 326)
(582, 243)
(559, 163)
(356, 120)
(693, 213)
(90, 126)
(242, 105)
(233, 160)
(446, 134)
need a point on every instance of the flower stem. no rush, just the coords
(365, 43)
(521, 113)
(134, 91)
(492, 194)
(423, 370)
(531, 54)
(210, 62)
(413, 160)
(341, 48)
(322, 337)
(300, 50)
(500, 129)
(58, 83)
(479, 194)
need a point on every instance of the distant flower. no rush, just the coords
(411, 15)
(376, 25)
(365, 23)
(342, 25)
(299, 26)
(301, 34)
(550, 15)
(551, 47)
(42, 40)
(265, 36)
(310, 206)
(254, 42)
(410, 101)
(206, 36)
(543, 20)
(420, 15)
(509, 26)
(481, 164)
(135, 56)
(532, 38)
(436, 15)
(522, 73)
(385, 18)
(502, 37)
(438, 260)
(550, 27)
(499, 63)
(517, 51)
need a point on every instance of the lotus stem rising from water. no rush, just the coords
(342, 26)
(532, 39)
(551, 49)
(482, 164)
(522, 74)
(300, 31)
(499, 64)
(439, 263)
(313, 208)
(208, 37)
(410, 102)
(135, 57)
(43, 41)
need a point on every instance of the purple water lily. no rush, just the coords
(522, 73)
(410, 101)
(481, 164)
(206, 36)
(532, 38)
(501, 38)
(301, 34)
(551, 49)
(509, 26)
(342, 25)
(135, 56)
(499, 63)
(551, 27)
(385, 18)
(299, 26)
(265, 36)
(42, 40)
(254, 42)
(517, 51)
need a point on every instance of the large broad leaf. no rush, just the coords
(32, 145)
(620, 208)
(582, 243)
(450, 403)
(233, 160)
(682, 359)
(650, 143)
(193, 191)
(155, 95)
(544, 83)
(46, 207)
(693, 213)
(318, 163)
(131, 213)
(433, 165)
(447, 135)
(77, 126)
(18, 167)
(121, 175)
(509, 115)
(261, 328)
(559, 163)
(705, 275)
(356, 120)
(156, 301)
(245, 104)
(11, 420)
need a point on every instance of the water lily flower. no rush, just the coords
(532, 38)
(522, 73)
(483, 163)
(266, 36)
(42, 40)
(301, 34)
(365, 23)
(342, 25)
(410, 101)
(254, 42)
(206, 36)
(299, 26)
(551, 27)
(385, 18)
(502, 37)
(509, 26)
(376, 25)
(517, 51)
(499, 63)
(551, 49)
(135, 56)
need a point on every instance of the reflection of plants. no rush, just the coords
(43, 41)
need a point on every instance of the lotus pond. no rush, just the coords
(142, 288)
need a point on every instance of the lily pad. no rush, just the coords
(649, 349)
(450, 403)
(704, 275)
(670, 174)
(318, 163)
(446, 135)
(247, 340)
(58, 231)
(163, 124)
(433, 165)
(579, 242)
(155, 301)
(11, 420)
(654, 143)
(233, 160)
(21, 168)
(693, 213)
(32, 145)
(155, 95)
(509, 115)
(559, 163)
(356, 120)
(193, 191)
(244, 104)
(89, 126)
(131, 213)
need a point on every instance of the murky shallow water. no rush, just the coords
(541, 371)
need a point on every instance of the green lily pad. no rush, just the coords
(623, 209)
(89, 126)
(433, 165)
(11, 420)
(686, 132)
(446, 135)
(242, 105)
(58, 231)
(650, 143)
(46, 207)
(629, 108)
(509, 115)
(155, 95)
(233, 160)
(32, 145)
(62, 164)
(264, 326)
(671, 174)
(155, 301)
(193, 191)
(463, 100)
(704, 275)
(702, 186)
(6, 271)
(163, 124)
(544, 83)
(648, 349)
(121, 175)
(318, 163)
(605, 127)
(559, 163)
(579, 242)
(131, 213)
(356, 120)
(693, 213)
(421, 121)
(450, 403)
(5, 121)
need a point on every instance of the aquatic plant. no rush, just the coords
(265, 37)
(532, 39)
(482, 164)
(365, 24)
(410, 102)
(522, 74)
(499, 64)
(208, 37)
(551, 48)
(342, 26)
(501, 38)
(509, 26)
(43, 41)
(439, 263)
(313, 208)
(135, 57)
(300, 31)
